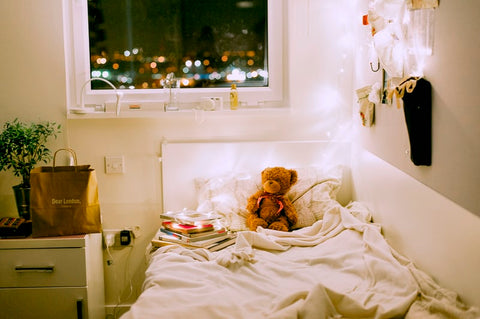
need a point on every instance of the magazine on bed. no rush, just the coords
(187, 229)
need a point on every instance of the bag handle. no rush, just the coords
(68, 150)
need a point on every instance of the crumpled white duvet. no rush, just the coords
(340, 267)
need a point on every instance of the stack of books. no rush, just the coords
(192, 232)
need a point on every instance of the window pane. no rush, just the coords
(206, 43)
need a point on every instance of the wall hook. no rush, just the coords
(378, 66)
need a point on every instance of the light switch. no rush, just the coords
(114, 164)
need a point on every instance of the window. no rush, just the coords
(184, 37)
(207, 45)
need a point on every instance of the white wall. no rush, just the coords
(452, 71)
(438, 236)
(32, 66)
(438, 233)
(34, 88)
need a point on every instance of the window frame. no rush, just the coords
(77, 64)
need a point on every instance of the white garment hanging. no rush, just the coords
(386, 18)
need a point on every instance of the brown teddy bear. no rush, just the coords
(269, 207)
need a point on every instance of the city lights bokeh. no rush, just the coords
(203, 48)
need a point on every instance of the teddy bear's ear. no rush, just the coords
(293, 176)
(264, 171)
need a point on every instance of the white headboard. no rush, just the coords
(184, 161)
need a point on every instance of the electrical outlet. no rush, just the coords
(118, 238)
(109, 239)
(114, 164)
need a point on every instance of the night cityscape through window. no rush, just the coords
(205, 43)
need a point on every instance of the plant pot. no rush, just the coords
(22, 198)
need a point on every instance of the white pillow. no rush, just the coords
(227, 195)
(315, 202)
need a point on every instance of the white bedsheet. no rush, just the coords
(340, 267)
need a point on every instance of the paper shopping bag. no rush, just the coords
(64, 200)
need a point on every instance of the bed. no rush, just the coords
(335, 264)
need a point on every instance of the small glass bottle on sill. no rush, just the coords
(233, 97)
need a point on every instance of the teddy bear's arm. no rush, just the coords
(290, 211)
(252, 202)
(253, 220)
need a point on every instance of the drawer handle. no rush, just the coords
(23, 269)
(80, 308)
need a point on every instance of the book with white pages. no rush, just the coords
(200, 243)
(223, 244)
(187, 238)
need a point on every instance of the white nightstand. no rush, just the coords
(52, 277)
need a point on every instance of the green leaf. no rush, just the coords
(23, 145)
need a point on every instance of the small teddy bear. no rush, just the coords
(269, 207)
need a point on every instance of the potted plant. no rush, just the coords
(22, 146)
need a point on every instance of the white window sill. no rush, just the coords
(159, 113)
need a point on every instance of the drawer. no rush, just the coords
(57, 267)
(44, 303)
